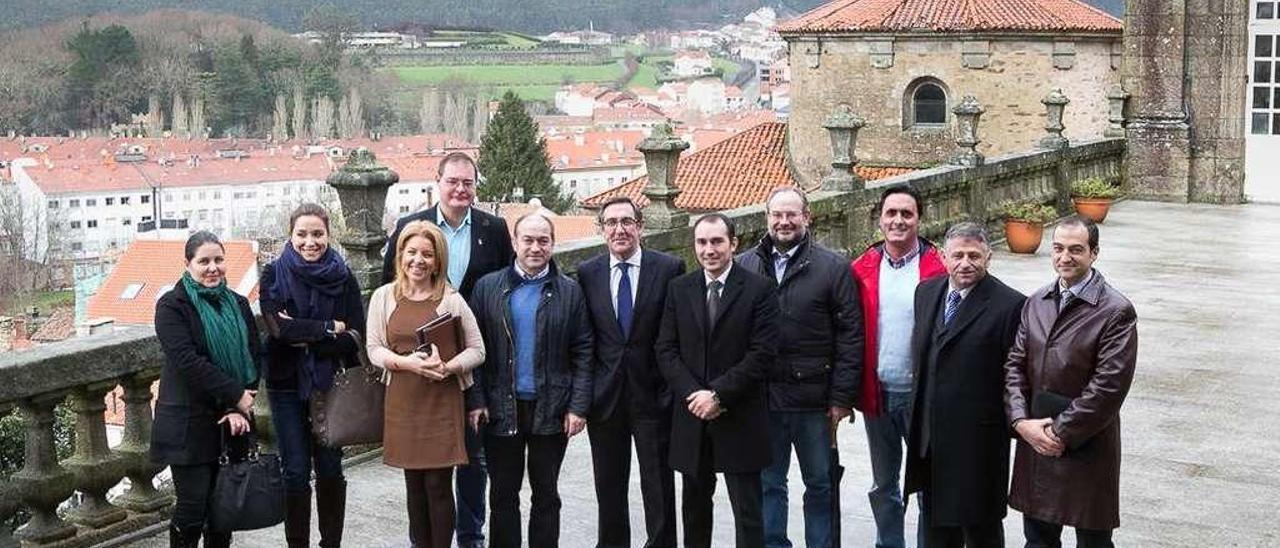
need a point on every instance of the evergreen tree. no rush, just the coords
(513, 155)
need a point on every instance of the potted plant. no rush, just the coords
(1093, 197)
(1024, 225)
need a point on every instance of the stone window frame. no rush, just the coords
(909, 104)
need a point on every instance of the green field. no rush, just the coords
(511, 74)
(647, 76)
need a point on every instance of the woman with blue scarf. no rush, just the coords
(207, 384)
(314, 315)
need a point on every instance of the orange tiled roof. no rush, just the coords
(59, 326)
(736, 172)
(952, 16)
(568, 227)
(590, 149)
(157, 265)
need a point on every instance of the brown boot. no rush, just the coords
(297, 519)
(331, 510)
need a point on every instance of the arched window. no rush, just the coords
(929, 104)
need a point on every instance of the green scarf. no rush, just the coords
(224, 329)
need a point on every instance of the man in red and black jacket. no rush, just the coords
(887, 275)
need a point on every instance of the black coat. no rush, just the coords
(628, 368)
(283, 357)
(490, 247)
(819, 328)
(562, 372)
(961, 367)
(194, 393)
(730, 358)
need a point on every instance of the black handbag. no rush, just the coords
(351, 412)
(248, 492)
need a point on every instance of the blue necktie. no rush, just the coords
(624, 301)
(953, 302)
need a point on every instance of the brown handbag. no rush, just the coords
(350, 413)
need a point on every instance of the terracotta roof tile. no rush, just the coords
(953, 16)
(59, 326)
(157, 265)
(593, 149)
(736, 172)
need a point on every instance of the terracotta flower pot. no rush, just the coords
(1093, 208)
(1023, 236)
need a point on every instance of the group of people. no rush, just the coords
(724, 370)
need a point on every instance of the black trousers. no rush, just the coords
(978, 535)
(745, 496)
(611, 463)
(1042, 534)
(192, 489)
(507, 464)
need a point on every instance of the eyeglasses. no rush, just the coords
(468, 183)
(625, 222)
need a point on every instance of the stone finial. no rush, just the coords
(842, 126)
(968, 112)
(1116, 99)
(661, 157)
(362, 191)
(1055, 104)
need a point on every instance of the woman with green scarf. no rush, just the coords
(207, 385)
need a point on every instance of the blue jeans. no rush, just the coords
(471, 480)
(886, 436)
(298, 448)
(810, 433)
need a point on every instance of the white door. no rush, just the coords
(1262, 137)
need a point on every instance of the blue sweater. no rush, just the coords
(524, 318)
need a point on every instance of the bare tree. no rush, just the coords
(155, 118)
(299, 121)
(198, 127)
(479, 116)
(181, 119)
(280, 118)
(429, 115)
(322, 118)
(29, 243)
(355, 114)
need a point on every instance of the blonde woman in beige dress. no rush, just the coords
(425, 411)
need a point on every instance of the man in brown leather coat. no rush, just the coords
(1065, 380)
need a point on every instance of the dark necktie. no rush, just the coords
(953, 303)
(713, 301)
(624, 303)
(1065, 299)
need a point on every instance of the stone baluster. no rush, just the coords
(134, 448)
(661, 158)
(1116, 99)
(1055, 104)
(362, 190)
(95, 468)
(42, 483)
(968, 113)
(842, 126)
(9, 503)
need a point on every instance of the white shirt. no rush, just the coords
(721, 278)
(964, 293)
(615, 277)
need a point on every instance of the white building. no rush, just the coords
(692, 63)
(706, 95)
(584, 163)
(697, 39)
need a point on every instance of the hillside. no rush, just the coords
(524, 15)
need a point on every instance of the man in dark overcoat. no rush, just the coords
(1066, 377)
(718, 338)
(958, 441)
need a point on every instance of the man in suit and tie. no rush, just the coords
(958, 440)
(625, 290)
(718, 339)
(478, 244)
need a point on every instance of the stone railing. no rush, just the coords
(67, 500)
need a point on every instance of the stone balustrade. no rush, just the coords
(67, 499)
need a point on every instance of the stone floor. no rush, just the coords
(1200, 461)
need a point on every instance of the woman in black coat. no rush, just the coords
(207, 385)
(314, 316)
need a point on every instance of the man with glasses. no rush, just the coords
(625, 290)
(814, 382)
(478, 244)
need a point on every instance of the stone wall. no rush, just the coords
(538, 56)
(1009, 76)
(1184, 66)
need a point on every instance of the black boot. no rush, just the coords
(331, 510)
(183, 538)
(217, 539)
(297, 519)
